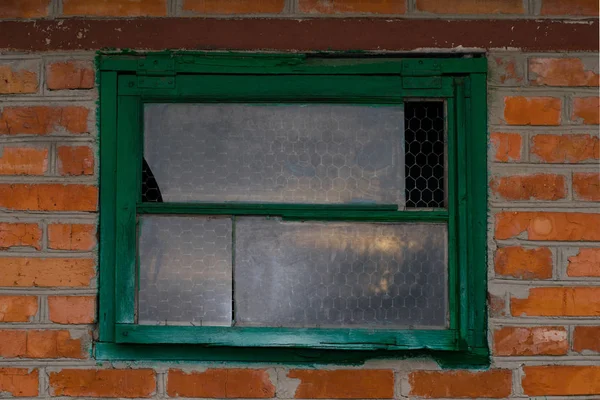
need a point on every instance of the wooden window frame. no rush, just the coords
(127, 82)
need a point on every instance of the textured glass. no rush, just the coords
(314, 274)
(425, 154)
(316, 153)
(185, 270)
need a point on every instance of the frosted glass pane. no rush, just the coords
(313, 274)
(274, 153)
(185, 270)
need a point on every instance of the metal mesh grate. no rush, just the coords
(425, 155)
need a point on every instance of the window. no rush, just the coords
(297, 207)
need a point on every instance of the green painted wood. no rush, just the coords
(355, 338)
(453, 265)
(251, 207)
(108, 179)
(128, 190)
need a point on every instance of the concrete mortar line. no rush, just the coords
(592, 167)
(547, 130)
(530, 207)
(43, 139)
(544, 283)
(86, 180)
(67, 217)
(63, 99)
(541, 243)
(33, 291)
(47, 254)
(538, 321)
(540, 91)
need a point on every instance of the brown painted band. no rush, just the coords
(323, 34)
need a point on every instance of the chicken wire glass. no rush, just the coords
(316, 274)
(185, 270)
(318, 153)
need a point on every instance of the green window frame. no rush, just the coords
(129, 81)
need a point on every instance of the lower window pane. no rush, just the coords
(314, 274)
(185, 270)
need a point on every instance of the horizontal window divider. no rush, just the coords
(164, 207)
(335, 338)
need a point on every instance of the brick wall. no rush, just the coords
(544, 225)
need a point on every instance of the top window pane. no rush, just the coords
(318, 153)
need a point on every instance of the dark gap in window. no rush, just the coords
(150, 189)
(424, 154)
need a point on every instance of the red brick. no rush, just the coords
(506, 146)
(42, 120)
(586, 186)
(53, 344)
(524, 263)
(343, 384)
(586, 339)
(18, 308)
(496, 306)
(19, 382)
(13, 343)
(72, 309)
(530, 187)
(116, 8)
(494, 383)
(352, 6)
(519, 110)
(23, 160)
(71, 236)
(46, 272)
(20, 234)
(18, 77)
(585, 263)
(548, 225)
(471, 6)
(234, 7)
(536, 341)
(563, 380)
(565, 148)
(70, 75)
(558, 302)
(48, 197)
(586, 110)
(570, 7)
(562, 72)
(24, 8)
(122, 383)
(75, 160)
(221, 383)
(506, 70)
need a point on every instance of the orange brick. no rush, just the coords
(471, 6)
(24, 8)
(570, 7)
(494, 383)
(506, 146)
(42, 120)
(116, 8)
(18, 308)
(46, 272)
(558, 302)
(586, 110)
(23, 160)
(13, 343)
(48, 197)
(538, 341)
(562, 72)
(586, 338)
(548, 225)
(71, 236)
(563, 380)
(234, 7)
(496, 305)
(352, 6)
(75, 160)
(18, 77)
(122, 383)
(53, 344)
(565, 148)
(586, 186)
(20, 235)
(524, 263)
(19, 382)
(519, 110)
(70, 75)
(343, 384)
(530, 187)
(72, 309)
(216, 383)
(585, 263)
